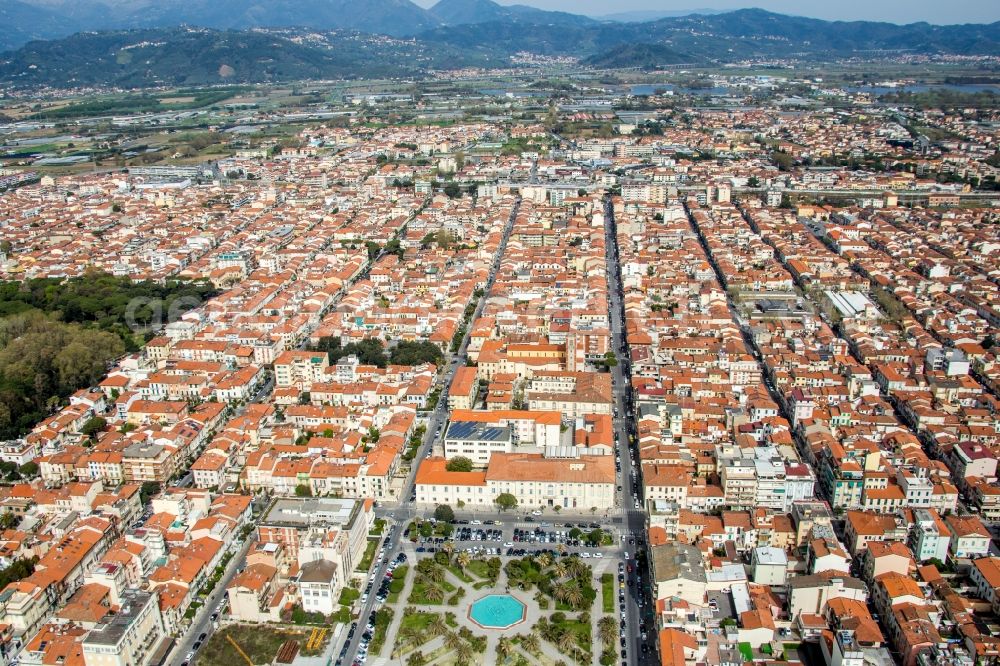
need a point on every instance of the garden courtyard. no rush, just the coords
(553, 609)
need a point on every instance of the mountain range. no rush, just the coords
(24, 20)
(135, 43)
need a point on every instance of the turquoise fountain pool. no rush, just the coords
(497, 611)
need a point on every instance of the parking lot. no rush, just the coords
(721, 604)
(494, 538)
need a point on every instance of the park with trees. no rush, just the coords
(58, 336)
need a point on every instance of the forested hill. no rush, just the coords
(197, 56)
(485, 36)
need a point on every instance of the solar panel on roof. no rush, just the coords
(476, 430)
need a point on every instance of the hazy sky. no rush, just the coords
(897, 11)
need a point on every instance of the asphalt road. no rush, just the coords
(202, 623)
(398, 515)
(624, 427)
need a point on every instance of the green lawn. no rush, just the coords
(366, 561)
(383, 618)
(348, 596)
(419, 586)
(455, 598)
(459, 574)
(418, 622)
(788, 650)
(608, 592)
(397, 584)
(583, 637)
(479, 568)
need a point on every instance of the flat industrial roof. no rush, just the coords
(305, 511)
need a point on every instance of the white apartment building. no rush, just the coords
(300, 369)
(131, 636)
(319, 586)
(929, 536)
(917, 487)
(739, 482)
(985, 575)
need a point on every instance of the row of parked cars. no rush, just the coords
(381, 595)
(539, 535)
(471, 534)
(366, 638)
(383, 588)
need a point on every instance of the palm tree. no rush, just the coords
(566, 642)
(433, 592)
(544, 560)
(463, 560)
(561, 592)
(574, 596)
(407, 634)
(448, 547)
(437, 626)
(452, 640)
(531, 643)
(607, 628)
(559, 569)
(576, 568)
(427, 568)
(464, 654)
(504, 649)
(561, 548)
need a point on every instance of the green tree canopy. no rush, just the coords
(93, 426)
(407, 352)
(369, 351)
(459, 464)
(505, 501)
(782, 160)
(9, 520)
(444, 513)
(148, 490)
(42, 361)
(18, 569)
